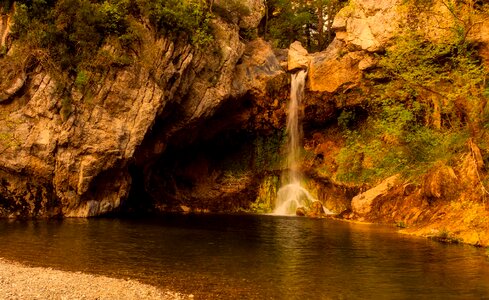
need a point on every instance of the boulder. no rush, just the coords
(329, 70)
(480, 35)
(362, 204)
(316, 210)
(15, 85)
(300, 211)
(440, 182)
(368, 25)
(298, 57)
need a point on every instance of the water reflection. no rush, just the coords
(254, 257)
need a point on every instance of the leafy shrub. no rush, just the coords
(81, 79)
(427, 99)
(176, 17)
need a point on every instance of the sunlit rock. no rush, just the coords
(480, 35)
(298, 57)
(15, 85)
(331, 69)
(70, 156)
(440, 182)
(258, 67)
(368, 25)
(362, 204)
(316, 210)
(300, 211)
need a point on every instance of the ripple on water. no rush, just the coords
(253, 257)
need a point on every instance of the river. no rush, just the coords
(253, 256)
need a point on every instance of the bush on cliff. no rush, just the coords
(71, 32)
(426, 100)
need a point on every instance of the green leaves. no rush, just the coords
(180, 17)
(304, 21)
(426, 100)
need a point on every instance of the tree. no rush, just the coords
(307, 21)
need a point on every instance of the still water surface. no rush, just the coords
(254, 257)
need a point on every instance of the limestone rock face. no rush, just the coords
(367, 25)
(196, 179)
(258, 67)
(12, 87)
(256, 12)
(362, 204)
(329, 70)
(70, 157)
(298, 58)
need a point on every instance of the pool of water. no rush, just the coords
(254, 257)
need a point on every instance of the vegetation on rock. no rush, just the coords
(71, 33)
(425, 100)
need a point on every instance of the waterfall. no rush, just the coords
(292, 195)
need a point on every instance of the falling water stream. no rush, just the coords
(292, 195)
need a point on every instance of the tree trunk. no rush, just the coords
(265, 30)
(320, 15)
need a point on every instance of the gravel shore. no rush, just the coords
(22, 282)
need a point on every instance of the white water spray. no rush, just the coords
(292, 195)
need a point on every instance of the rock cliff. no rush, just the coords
(70, 156)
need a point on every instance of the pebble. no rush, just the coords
(22, 282)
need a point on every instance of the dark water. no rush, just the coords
(254, 257)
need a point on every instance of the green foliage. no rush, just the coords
(268, 154)
(446, 236)
(113, 17)
(72, 32)
(81, 79)
(21, 21)
(267, 193)
(288, 25)
(306, 21)
(425, 102)
(401, 224)
(177, 17)
(396, 144)
(5, 5)
(248, 34)
(345, 119)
